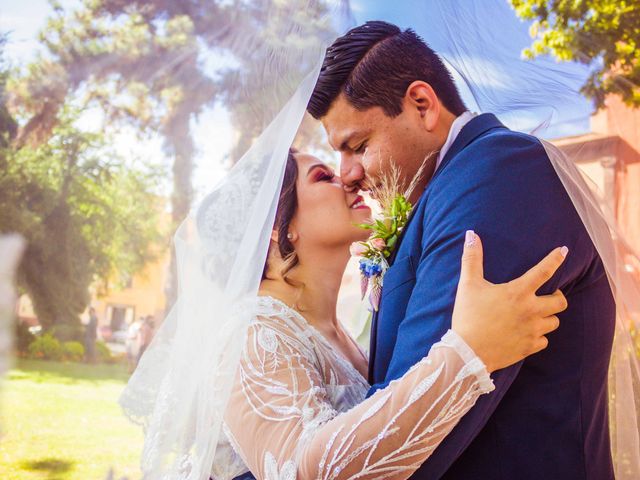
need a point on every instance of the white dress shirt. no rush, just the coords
(456, 126)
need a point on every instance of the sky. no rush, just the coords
(483, 41)
(487, 37)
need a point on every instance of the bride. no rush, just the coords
(297, 407)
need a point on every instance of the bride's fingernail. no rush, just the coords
(564, 251)
(470, 238)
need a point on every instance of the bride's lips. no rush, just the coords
(358, 203)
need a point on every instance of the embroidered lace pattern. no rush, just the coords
(298, 408)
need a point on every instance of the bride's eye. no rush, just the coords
(324, 176)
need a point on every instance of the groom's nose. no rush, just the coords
(351, 172)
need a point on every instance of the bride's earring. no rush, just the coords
(290, 236)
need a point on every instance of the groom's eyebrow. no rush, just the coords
(345, 143)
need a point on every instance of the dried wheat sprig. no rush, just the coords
(417, 178)
(389, 186)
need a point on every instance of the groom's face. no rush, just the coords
(370, 142)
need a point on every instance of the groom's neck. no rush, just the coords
(440, 135)
(437, 140)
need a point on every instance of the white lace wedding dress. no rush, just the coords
(298, 408)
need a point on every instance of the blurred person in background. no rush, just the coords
(90, 335)
(145, 335)
(132, 344)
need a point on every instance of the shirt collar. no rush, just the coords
(456, 126)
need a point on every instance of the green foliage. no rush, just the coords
(8, 126)
(68, 332)
(46, 347)
(103, 353)
(144, 63)
(23, 337)
(394, 217)
(84, 213)
(73, 351)
(590, 31)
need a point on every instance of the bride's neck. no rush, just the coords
(313, 287)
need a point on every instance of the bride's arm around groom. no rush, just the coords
(282, 422)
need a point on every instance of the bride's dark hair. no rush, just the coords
(287, 206)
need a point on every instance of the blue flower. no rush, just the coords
(370, 268)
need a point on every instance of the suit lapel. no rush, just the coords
(472, 130)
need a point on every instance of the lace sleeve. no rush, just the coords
(281, 421)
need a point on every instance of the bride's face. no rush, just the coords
(327, 216)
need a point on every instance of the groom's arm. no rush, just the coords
(512, 198)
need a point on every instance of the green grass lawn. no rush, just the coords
(61, 421)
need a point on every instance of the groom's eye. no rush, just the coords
(361, 148)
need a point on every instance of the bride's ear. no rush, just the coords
(421, 97)
(275, 236)
(292, 236)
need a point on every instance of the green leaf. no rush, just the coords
(366, 226)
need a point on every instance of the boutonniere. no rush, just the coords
(385, 233)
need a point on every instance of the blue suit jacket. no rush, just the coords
(547, 418)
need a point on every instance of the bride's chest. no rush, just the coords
(345, 386)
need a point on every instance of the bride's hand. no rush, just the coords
(507, 322)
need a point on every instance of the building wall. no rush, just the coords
(620, 120)
(610, 156)
(145, 296)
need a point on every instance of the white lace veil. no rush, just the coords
(11, 247)
(180, 389)
(179, 392)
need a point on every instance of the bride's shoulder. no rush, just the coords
(273, 324)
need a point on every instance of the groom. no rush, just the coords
(384, 97)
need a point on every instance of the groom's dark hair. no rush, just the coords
(374, 64)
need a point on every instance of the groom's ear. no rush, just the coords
(421, 98)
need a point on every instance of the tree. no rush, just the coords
(84, 213)
(8, 126)
(143, 62)
(603, 33)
